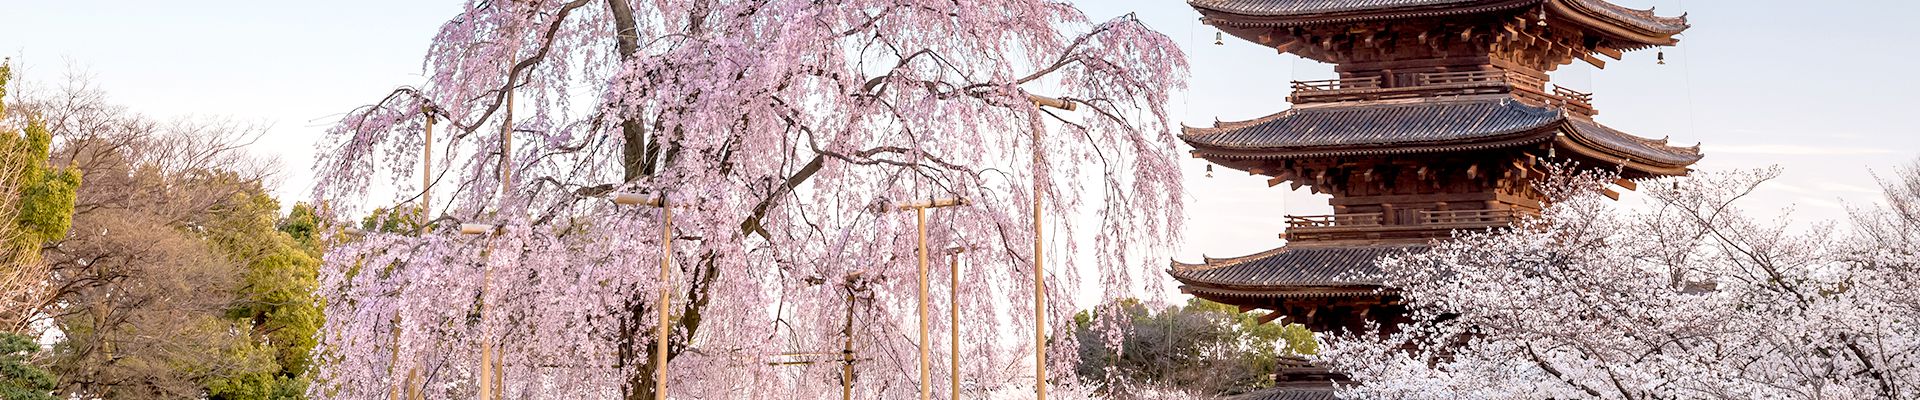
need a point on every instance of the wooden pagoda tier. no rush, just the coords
(1419, 169)
(1398, 45)
(1326, 287)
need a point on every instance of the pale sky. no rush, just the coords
(1821, 89)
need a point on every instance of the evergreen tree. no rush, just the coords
(36, 207)
(275, 297)
(19, 379)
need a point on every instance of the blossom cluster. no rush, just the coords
(1686, 296)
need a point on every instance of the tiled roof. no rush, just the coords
(1377, 123)
(1289, 394)
(1319, 9)
(1650, 150)
(1429, 125)
(1644, 19)
(1301, 7)
(1318, 266)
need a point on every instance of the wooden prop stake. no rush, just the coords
(1039, 267)
(666, 287)
(926, 352)
(489, 376)
(953, 308)
(666, 282)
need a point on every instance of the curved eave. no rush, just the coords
(1607, 154)
(1224, 16)
(1227, 295)
(1624, 24)
(1652, 157)
(1518, 139)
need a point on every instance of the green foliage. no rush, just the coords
(44, 206)
(275, 297)
(401, 221)
(1204, 348)
(303, 225)
(20, 380)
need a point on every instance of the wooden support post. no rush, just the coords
(426, 174)
(486, 333)
(1039, 267)
(846, 354)
(666, 286)
(926, 349)
(953, 308)
(393, 362)
(426, 191)
(488, 363)
(1039, 284)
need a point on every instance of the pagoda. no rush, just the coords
(1441, 119)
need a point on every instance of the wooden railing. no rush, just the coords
(1442, 83)
(1463, 77)
(1371, 82)
(1476, 217)
(1455, 217)
(1328, 221)
(1573, 96)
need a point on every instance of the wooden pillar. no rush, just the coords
(1039, 284)
(926, 349)
(953, 308)
(488, 363)
(426, 173)
(393, 362)
(666, 284)
(1039, 266)
(846, 353)
(666, 287)
(926, 374)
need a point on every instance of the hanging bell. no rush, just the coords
(1219, 39)
(1662, 57)
(1209, 170)
(1543, 17)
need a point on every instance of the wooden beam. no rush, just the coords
(1626, 184)
(1288, 46)
(1595, 61)
(1270, 317)
(1608, 51)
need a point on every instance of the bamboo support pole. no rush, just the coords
(953, 309)
(1039, 266)
(488, 361)
(393, 362)
(666, 286)
(926, 375)
(926, 349)
(426, 174)
(486, 333)
(426, 206)
(1039, 286)
(666, 283)
(846, 354)
(426, 214)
